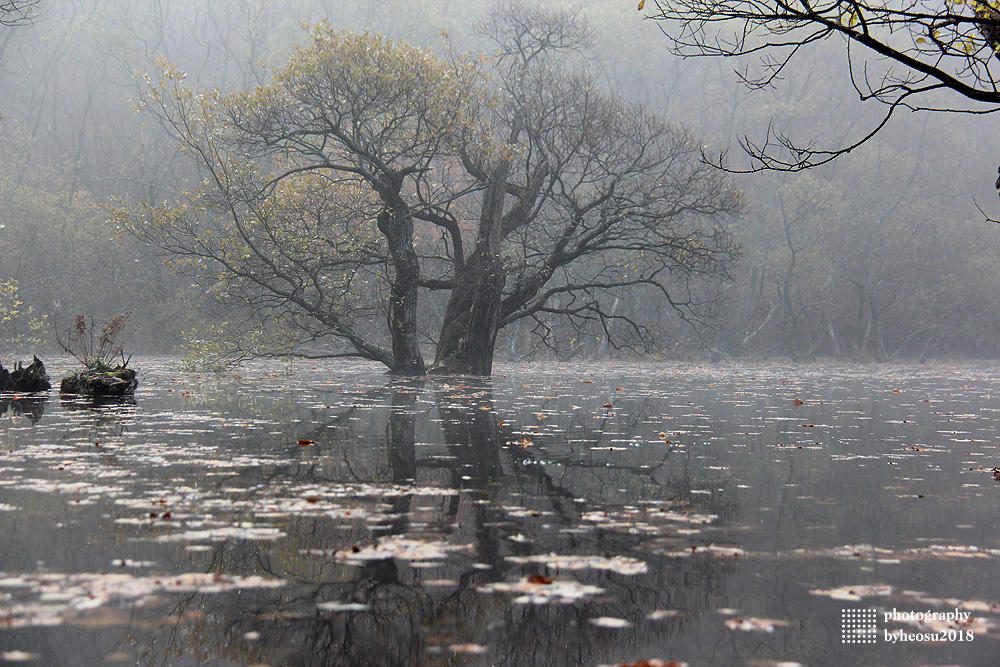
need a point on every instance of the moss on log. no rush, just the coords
(100, 381)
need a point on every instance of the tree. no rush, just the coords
(16, 12)
(370, 175)
(915, 55)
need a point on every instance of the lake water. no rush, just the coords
(604, 514)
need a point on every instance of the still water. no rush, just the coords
(326, 514)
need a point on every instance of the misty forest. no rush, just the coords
(499, 332)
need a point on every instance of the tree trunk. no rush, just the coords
(472, 318)
(397, 226)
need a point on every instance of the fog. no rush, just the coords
(883, 254)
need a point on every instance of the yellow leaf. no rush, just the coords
(642, 3)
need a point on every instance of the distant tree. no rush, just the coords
(370, 173)
(916, 54)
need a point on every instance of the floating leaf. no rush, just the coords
(341, 606)
(855, 592)
(610, 622)
(619, 564)
(556, 592)
(754, 624)
(467, 648)
(654, 662)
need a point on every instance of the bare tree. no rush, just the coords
(915, 54)
(17, 12)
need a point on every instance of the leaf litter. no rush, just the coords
(186, 479)
(48, 599)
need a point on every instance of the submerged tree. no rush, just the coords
(917, 55)
(369, 174)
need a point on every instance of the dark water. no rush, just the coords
(556, 515)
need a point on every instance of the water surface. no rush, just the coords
(604, 514)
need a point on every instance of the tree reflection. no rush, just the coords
(32, 407)
(499, 500)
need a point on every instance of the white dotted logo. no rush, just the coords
(858, 626)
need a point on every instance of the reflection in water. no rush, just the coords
(102, 415)
(692, 515)
(32, 407)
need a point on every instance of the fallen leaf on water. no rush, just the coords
(754, 624)
(397, 548)
(306, 443)
(64, 597)
(661, 614)
(440, 582)
(855, 592)
(467, 648)
(222, 534)
(341, 606)
(556, 592)
(710, 550)
(654, 662)
(619, 564)
(18, 656)
(610, 622)
(539, 579)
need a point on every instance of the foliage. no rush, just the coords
(371, 173)
(21, 327)
(218, 348)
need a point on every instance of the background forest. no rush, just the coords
(880, 255)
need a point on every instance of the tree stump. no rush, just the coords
(100, 382)
(25, 380)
